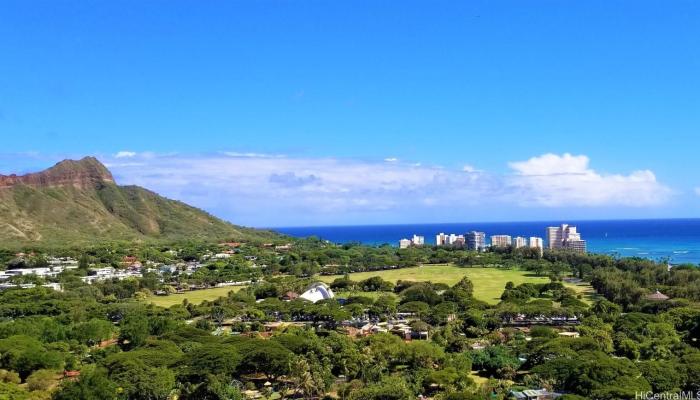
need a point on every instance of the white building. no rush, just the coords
(441, 239)
(62, 262)
(565, 236)
(418, 240)
(476, 240)
(404, 243)
(103, 274)
(536, 242)
(452, 239)
(519, 242)
(221, 256)
(555, 237)
(29, 271)
(501, 240)
(317, 292)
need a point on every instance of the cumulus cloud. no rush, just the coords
(566, 180)
(270, 189)
(552, 164)
(125, 154)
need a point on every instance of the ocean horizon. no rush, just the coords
(676, 240)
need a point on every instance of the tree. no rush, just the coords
(596, 375)
(422, 354)
(418, 308)
(422, 292)
(690, 365)
(26, 355)
(308, 378)
(442, 313)
(93, 384)
(93, 332)
(385, 305)
(375, 284)
(390, 388)
(595, 328)
(139, 380)
(466, 285)
(344, 356)
(213, 359)
(606, 310)
(9, 376)
(263, 356)
(133, 330)
(343, 283)
(662, 375)
(213, 388)
(42, 379)
(496, 361)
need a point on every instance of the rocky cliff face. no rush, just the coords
(84, 173)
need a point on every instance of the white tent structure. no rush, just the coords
(316, 292)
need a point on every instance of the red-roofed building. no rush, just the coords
(72, 375)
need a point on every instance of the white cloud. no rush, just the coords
(261, 189)
(251, 155)
(470, 169)
(125, 154)
(566, 180)
(300, 187)
(391, 159)
(697, 190)
(552, 164)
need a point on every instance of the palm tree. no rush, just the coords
(302, 377)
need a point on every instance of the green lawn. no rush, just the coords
(589, 294)
(489, 283)
(195, 296)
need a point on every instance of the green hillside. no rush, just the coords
(71, 203)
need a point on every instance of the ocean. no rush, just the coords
(677, 240)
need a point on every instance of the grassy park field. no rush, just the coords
(195, 296)
(489, 283)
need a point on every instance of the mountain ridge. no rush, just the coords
(79, 202)
(80, 173)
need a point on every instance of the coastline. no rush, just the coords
(674, 240)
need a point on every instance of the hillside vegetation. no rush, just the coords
(78, 202)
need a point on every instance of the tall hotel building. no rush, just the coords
(536, 242)
(418, 240)
(501, 240)
(441, 239)
(566, 237)
(475, 240)
(519, 242)
(554, 237)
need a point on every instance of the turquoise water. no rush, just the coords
(675, 239)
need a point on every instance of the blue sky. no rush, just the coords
(513, 111)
